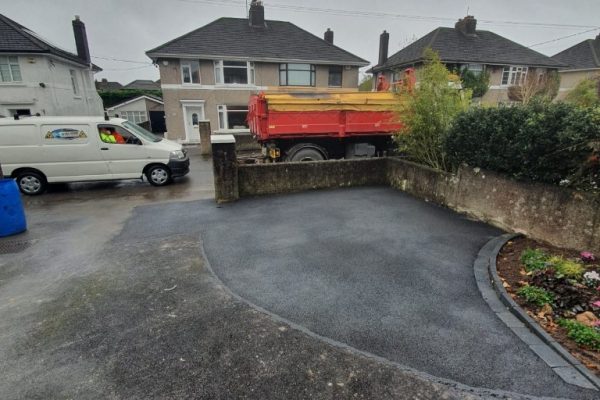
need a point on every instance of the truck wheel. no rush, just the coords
(306, 154)
(158, 175)
(31, 183)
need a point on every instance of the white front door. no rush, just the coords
(193, 114)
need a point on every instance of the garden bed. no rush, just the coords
(558, 289)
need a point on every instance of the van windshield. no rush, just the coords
(141, 132)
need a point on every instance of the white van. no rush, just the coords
(40, 150)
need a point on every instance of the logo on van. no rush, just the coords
(66, 134)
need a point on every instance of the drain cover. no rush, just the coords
(14, 246)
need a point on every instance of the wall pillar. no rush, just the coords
(225, 168)
(204, 127)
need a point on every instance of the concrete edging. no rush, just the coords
(516, 319)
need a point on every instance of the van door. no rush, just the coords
(70, 153)
(125, 153)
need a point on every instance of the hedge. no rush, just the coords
(114, 97)
(554, 143)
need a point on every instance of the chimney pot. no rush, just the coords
(256, 15)
(328, 36)
(81, 43)
(384, 41)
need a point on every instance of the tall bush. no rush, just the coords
(428, 113)
(547, 142)
(113, 97)
(478, 83)
(586, 93)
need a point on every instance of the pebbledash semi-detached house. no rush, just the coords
(465, 47)
(37, 77)
(210, 73)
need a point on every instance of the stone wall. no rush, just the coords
(261, 179)
(552, 214)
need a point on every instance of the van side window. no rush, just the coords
(114, 134)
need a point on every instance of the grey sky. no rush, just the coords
(125, 29)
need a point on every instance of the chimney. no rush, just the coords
(384, 41)
(83, 51)
(328, 36)
(256, 15)
(467, 25)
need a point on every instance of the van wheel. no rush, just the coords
(31, 183)
(158, 175)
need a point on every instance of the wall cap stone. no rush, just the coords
(222, 139)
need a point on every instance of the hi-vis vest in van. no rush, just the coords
(107, 138)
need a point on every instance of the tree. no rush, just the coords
(366, 84)
(586, 93)
(543, 86)
(478, 83)
(428, 113)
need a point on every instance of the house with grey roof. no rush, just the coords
(37, 77)
(209, 74)
(107, 85)
(466, 47)
(143, 84)
(582, 62)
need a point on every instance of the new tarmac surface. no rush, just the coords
(382, 272)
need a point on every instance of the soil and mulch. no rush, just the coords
(558, 288)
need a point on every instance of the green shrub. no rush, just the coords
(534, 260)
(536, 295)
(566, 268)
(477, 83)
(429, 112)
(581, 334)
(586, 93)
(544, 142)
(113, 97)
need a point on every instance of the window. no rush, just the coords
(476, 69)
(21, 112)
(113, 134)
(234, 72)
(190, 72)
(335, 76)
(74, 82)
(233, 117)
(297, 75)
(137, 117)
(9, 69)
(514, 76)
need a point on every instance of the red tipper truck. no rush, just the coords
(319, 126)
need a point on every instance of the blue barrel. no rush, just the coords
(12, 215)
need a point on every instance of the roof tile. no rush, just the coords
(234, 37)
(483, 48)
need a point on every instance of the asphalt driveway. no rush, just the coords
(381, 271)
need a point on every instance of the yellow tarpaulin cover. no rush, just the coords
(331, 101)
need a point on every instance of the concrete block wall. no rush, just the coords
(261, 179)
